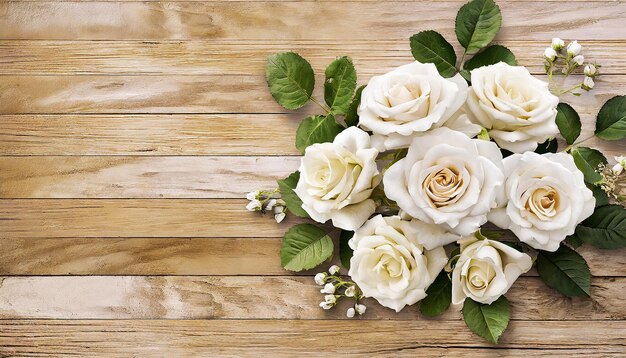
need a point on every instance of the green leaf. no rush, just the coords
(549, 146)
(339, 85)
(304, 247)
(287, 186)
(439, 296)
(290, 79)
(587, 160)
(565, 271)
(477, 23)
(490, 56)
(352, 116)
(574, 241)
(602, 198)
(611, 122)
(568, 122)
(487, 321)
(317, 129)
(345, 251)
(605, 228)
(431, 47)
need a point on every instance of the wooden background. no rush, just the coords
(130, 132)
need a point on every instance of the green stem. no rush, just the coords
(462, 62)
(568, 90)
(569, 147)
(314, 100)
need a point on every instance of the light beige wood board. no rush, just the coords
(536, 20)
(310, 338)
(140, 177)
(247, 297)
(58, 94)
(237, 57)
(135, 218)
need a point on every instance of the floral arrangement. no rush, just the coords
(412, 166)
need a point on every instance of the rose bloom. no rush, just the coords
(518, 109)
(337, 179)
(410, 99)
(389, 263)
(543, 199)
(447, 179)
(486, 269)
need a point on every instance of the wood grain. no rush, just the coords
(232, 297)
(182, 134)
(241, 57)
(295, 337)
(535, 20)
(134, 218)
(190, 256)
(140, 177)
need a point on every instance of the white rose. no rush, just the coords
(389, 263)
(518, 109)
(337, 179)
(447, 179)
(543, 199)
(410, 99)
(486, 270)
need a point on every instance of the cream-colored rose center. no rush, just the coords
(443, 186)
(480, 274)
(335, 177)
(543, 202)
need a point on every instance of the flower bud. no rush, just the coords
(360, 309)
(254, 205)
(326, 305)
(590, 70)
(328, 288)
(330, 299)
(333, 269)
(620, 166)
(573, 48)
(350, 312)
(252, 195)
(557, 43)
(270, 204)
(549, 54)
(579, 60)
(279, 217)
(320, 278)
(350, 291)
(588, 83)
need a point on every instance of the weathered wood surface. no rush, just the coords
(130, 131)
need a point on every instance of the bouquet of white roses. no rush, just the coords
(411, 166)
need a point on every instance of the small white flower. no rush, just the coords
(328, 288)
(270, 204)
(350, 291)
(620, 166)
(279, 217)
(573, 48)
(320, 278)
(330, 299)
(579, 60)
(254, 205)
(326, 305)
(588, 83)
(557, 43)
(252, 195)
(333, 269)
(279, 209)
(590, 70)
(360, 309)
(549, 54)
(350, 312)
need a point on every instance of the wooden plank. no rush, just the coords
(246, 297)
(189, 256)
(237, 57)
(183, 134)
(186, 134)
(242, 20)
(297, 337)
(140, 177)
(22, 218)
(58, 94)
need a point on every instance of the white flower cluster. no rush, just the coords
(267, 201)
(570, 57)
(613, 183)
(332, 283)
